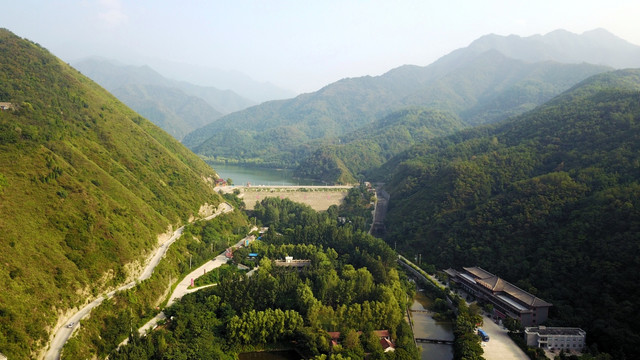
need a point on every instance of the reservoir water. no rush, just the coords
(424, 326)
(242, 175)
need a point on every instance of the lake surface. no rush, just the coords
(242, 175)
(424, 326)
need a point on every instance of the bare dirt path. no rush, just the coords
(71, 324)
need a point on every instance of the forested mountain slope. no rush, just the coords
(86, 187)
(479, 84)
(548, 200)
(350, 156)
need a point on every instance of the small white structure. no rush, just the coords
(291, 263)
(555, 338)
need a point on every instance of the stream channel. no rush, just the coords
(424, 326)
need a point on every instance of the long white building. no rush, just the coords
(555, 338)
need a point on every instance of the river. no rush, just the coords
(424, 326)
(243, 174)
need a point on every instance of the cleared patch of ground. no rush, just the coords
(319, 198)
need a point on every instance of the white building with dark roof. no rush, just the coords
(555, 338)
(506, 298)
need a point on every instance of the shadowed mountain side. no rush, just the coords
(549, 200)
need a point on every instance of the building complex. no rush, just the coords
(506, 298)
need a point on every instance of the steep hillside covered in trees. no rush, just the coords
(86, 187)
(350, 156)
(548, 200)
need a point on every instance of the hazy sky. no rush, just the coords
(297, 44)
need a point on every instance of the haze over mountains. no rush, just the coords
(178, 107)
(482, 83)
(597, 46)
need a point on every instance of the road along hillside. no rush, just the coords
(64, 333)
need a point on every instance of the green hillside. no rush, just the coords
(480, 88)
(86, 187)
(371, 146)
(548, 200)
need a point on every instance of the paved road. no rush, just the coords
(64, 333)
(500, 346)
(183, 286)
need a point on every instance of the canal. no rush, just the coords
(424, 326)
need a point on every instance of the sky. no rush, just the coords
(300, 45)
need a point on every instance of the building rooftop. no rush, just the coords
(497, 284)
(544, 330)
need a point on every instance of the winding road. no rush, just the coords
(182, 288)
(64, 332)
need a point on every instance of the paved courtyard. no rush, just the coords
(500, 346)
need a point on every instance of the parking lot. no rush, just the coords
(500, 346)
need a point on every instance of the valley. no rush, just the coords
(518, 155)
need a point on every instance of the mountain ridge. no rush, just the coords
(478, 86)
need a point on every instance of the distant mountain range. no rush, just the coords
(597, 46)
(178, 107)
(240, 83)
(492, 79)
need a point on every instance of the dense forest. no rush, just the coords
(86, 187)
(548, 200)
(351, 285)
